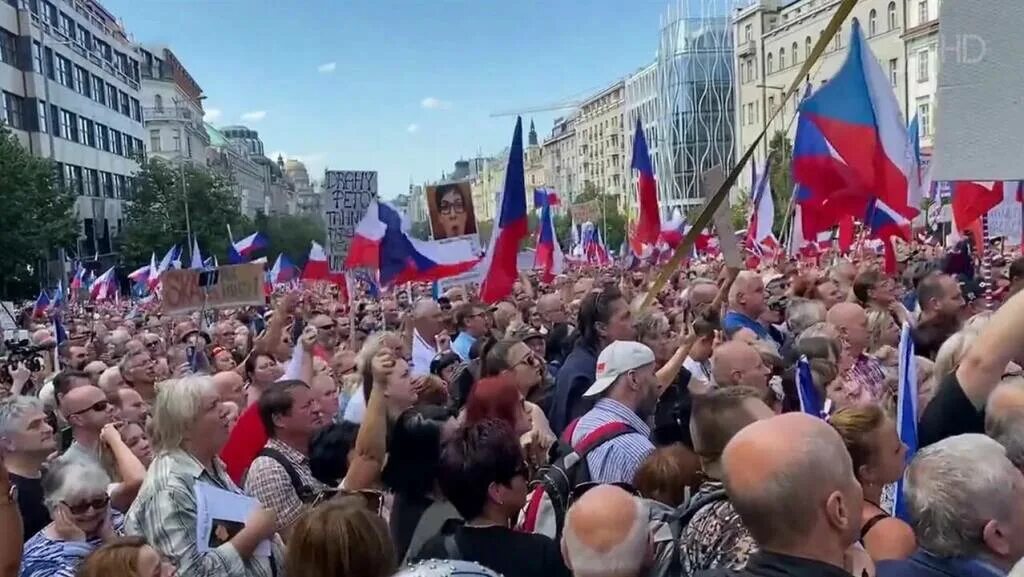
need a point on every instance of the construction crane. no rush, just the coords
(564, 105)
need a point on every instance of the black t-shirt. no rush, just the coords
(672, 414)
(507, 552)
(948, 414)
(34, 515)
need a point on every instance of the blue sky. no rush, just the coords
(404, 87)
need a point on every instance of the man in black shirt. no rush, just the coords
(27, 439)
(792, 483)
(941, 303)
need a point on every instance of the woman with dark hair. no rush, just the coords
(414, 449)
(261, 370)
(498, 398)
(484, 475)
(453, 214)
(514, 358)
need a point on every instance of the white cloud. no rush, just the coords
(327, 67)
(212, 115)
(412, 128)
(431, 103)
(255, 115)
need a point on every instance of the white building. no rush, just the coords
(561, 159)
(84, 113)
(248, 179)
(172, 107)
(922, 56)
(307, 199)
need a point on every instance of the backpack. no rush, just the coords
(666, 525)
(550, 494)
(305, 493)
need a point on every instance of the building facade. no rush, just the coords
(533, 163)
(70, 92)
(307, 198)
(921, 41)
(278, 193)
(695, 130)
(487, 185)
(774, 38)
(561, 159)
(417, 204)
(247, 178)
(642, 102)
(601, 141)
(172, 108)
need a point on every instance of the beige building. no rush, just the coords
(487, 185)
(922, 47)
(774, 38)
(601, 141)
(533, 165)
(561, 159)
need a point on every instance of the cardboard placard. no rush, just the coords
(712, 180)
(347, 195)
(237, 285)
(589, 211)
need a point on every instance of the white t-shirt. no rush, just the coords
(698, 371)
(423, 354)
(356, 407)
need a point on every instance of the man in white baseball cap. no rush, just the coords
(627, 388)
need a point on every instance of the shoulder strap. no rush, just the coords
(694, 506)
(569, 430)
(600, 436)
(451, 547)
(871, 524)
(300, 488)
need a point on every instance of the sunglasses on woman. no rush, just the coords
(96, 504)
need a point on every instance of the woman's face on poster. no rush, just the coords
(451, 209)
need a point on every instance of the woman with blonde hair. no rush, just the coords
(883, 336)
(341, 537)
(126, 557)
(878, 459)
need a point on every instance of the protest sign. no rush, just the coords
(347, 195)
(237, 285)
(1005, 219)
(467, 248)
(711, 181)
(451, 210)
(589, 211)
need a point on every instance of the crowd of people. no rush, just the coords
(572, 429)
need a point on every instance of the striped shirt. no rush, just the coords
(47, 557)
(617, 460)
(165, 514)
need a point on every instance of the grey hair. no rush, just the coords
(954, 488)
(178, 405)
(12, 409)
(69, 478)
(1006, 424)
(804, 313)
(626, 558)
(783, 510)
(819, 330)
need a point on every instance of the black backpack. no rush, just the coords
(306, 493)
(551, 493)
(667, 524)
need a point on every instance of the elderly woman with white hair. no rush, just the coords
(75, 493)
(189, 430)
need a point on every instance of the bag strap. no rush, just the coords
(695, 505)
(451, 547)
(301, 489)
(600, 436)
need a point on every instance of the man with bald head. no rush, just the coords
(746, 305)
(606, 534)
(702, 293)
(87, 410)
(791, 480)
(552, 311)
(428, 322)
(861, 373)
(737, 364)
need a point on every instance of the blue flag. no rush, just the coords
(906, 411)
(810, 400)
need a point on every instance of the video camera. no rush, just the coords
(22, 352)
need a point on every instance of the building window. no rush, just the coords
(892, 15)
(176, 139)
(44, 122)
(83, 85)
(922, 12)
(8, 48)
(158, 103)
(54, 120)
(84, 37)
(748, 32)
(924, 118)
(893, 70)
(37, 57)
(923, 65)
(796, 54)
(67, 26)
(771, 106)
(782, 58)
(63, 71)
(837, 40)
(90, 185)
(52, 14)
(76, 179)
(115, 142)
(126, 108)
(136, 110)
(106, 185)
(83, 130)
(771, 63)
(188, 146)
(99, 90)
(129, 146)
(154, 141)
(808, 46)
(112, 96)
(12, 112)
(872, 22)
(102, 141)
(68, 129)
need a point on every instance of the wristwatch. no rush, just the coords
(9, 497)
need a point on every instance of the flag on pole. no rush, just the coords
(104, 286)
(42, 304)
(648, 225)
(548, 257)
(810, 399)
(240, 251)
(906, 411)
(762, 217)
(197, 257)
(499, 267)
(282, 271)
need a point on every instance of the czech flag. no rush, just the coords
(382, 242)
(197, 257)
(549, 257)
(241, 250)
(282, 271)
(884, 223)
(648, 226)
(167, 262)
(762, 218)
(42, 305)
(858, 116)
(810, 399)
(104, 287)
(906, 411)
(499, 266)
(317, 269)
(77, 280)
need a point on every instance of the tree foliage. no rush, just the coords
(739, 209)
(291, 235)
(155, 218)
(613, 222)
(38, 217)
(780, 149)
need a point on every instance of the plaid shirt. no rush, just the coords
(165, 514)
(268, 481)
(865, 380)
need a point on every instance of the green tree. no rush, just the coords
(155, 219)
(291, 235)
(739, 208)
(780, 150)
(37, 214)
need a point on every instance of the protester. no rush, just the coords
(127, 557)
(737, 364)
(341, 537)
(862, 374)
(941, 304)
(130, 406)
(427, 328)
(87, 410)
(27, 441)
(606, 535)
(471, 321)
(11, 530)
(746, 305)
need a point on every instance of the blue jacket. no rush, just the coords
(574, 378)
(924, 564)
(735, 321)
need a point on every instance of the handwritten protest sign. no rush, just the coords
(589, 211)
(347, 194)
(1005, 219)
(237, 285)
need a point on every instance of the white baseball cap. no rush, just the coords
(615, 360)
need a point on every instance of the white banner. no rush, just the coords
(346, 194)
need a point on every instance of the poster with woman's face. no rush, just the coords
(451, 210)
